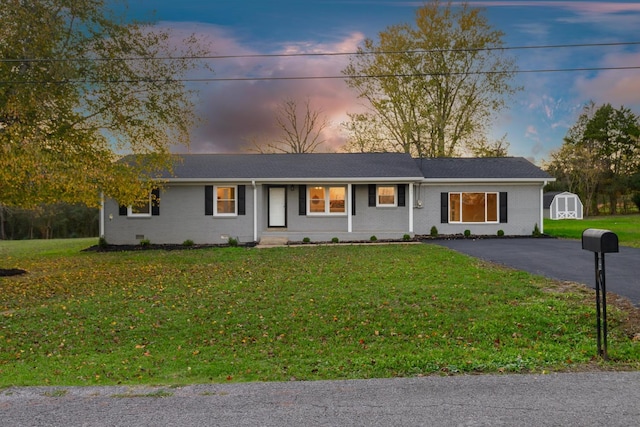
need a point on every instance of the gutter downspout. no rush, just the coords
(411, 207)
(349, 209)
(255, 211)
(542, 206)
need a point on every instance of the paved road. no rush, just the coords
(578, 399)
(559, 259)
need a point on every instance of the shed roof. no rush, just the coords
(475, 168)
(547, 198)
(296, 166)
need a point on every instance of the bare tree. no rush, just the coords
(301, 129)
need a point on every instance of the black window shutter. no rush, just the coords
(444, 208)
(155, 202)
(241, 200)
(503, 206)
(302, 199)
(401, 195)
(372, 194)
(123, 210)
(208, 199)
(353, 199)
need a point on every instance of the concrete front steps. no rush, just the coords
(271, 241)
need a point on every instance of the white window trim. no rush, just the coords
(485, 207)
(132, 214)
(327, 201)
(395, 197)
(215, 201)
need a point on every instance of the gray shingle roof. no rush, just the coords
(296, 166)
(548, 197)
(332, 166)
(481, 168)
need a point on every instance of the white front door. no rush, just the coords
(277, 206)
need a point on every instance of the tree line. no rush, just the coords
(55, 221)
(600, 160)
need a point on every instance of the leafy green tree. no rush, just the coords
(614, 134)
(80, 87)
(498, 148)
(600, 155)
(433, 88)
(365, 134)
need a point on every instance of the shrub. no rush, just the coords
(145, 243)
(467, 233)
(536, 231)
(102, 242)
(233, 242)
(434, 231)
(188, 243)
(335, 240)
(406, 237)
(306, 240)
(636, 199)
(373, 238)
(500, 233)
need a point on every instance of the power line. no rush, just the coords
(312, 54)
(366, 76)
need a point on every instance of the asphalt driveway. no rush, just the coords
(559, 259)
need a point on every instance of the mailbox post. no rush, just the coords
(600, 242)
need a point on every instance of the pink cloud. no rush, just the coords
(531, 131)
(617, 87)
(237, 112)
(578, 6)
(620, 16)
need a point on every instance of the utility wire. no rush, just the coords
(291, 55)
(371, 76)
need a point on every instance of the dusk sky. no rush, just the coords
(234, 112)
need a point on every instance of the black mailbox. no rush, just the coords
(601, 241)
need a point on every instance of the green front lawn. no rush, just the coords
(626, 227)
(303, 313)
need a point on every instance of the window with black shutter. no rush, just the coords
(372, 195)
(241, 200)
(353, 199)
(302, 200)
(155, 202)
(401, 195)
(208, 199)
(444, 208)
(503, 207)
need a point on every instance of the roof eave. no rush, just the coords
(485, 180)
(297, 180)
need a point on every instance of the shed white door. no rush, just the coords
(567, 208)
(277, 207)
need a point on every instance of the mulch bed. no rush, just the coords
(7, 272)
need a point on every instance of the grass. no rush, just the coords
(626, 227)
(300, 313)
